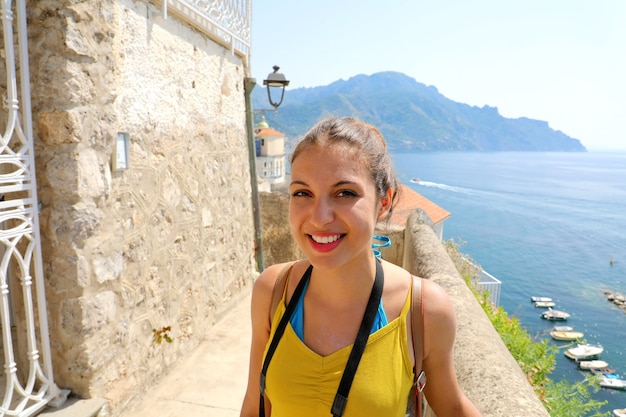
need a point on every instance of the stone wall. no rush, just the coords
(487, 372)
(278, 245)
(166, 245)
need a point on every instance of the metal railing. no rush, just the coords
(491, 284)
(227, 22)
(27, 379)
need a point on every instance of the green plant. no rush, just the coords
(159, 335)
(566, 399)
(536, 359)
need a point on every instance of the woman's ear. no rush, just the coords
(385, 204)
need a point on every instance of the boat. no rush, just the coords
(535, 299)
(562, 328)
(415, 180)
(544, 304)
(593, 365)
(619, 412)
(555, 315)
(613, 383)
(604, 371)
(608, 372)
(585, 351)
(566, 335)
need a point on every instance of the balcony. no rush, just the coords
(226, 22)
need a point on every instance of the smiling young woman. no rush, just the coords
(340, 302)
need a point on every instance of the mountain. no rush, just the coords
(411, 116)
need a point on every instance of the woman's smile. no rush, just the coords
(325, 239)
(325, 243)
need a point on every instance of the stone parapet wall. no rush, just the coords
(486, 370)
(167, 243)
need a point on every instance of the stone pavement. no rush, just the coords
(211, 381)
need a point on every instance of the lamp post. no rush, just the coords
(274, 80)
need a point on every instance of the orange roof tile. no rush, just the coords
(409, 201)
(266, 131)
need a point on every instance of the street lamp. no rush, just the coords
(274, 80)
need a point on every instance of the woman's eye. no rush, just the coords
(346, 193)
(299, 193)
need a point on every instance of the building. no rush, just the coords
(270, 153)
(410, 201)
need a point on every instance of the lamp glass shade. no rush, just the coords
(276, 79)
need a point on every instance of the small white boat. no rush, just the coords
(582, 352)
(535, 299)
(612, 383)
(544, 304)
(566, 335)
(562, 328)
(593, 364)
(555, 315)
(415, 180)
(619, 412)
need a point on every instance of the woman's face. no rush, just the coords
(333, 207)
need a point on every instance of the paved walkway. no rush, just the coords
(211, 381)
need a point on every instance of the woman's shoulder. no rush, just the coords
(396, 277)
(272, 282)
(272, 273)
(265, 282)
(436, 300)
(276, 276)
(439, 315)
(396, 290)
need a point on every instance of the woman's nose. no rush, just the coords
(322, 212)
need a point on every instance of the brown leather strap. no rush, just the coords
(279, 287)
(417, 333)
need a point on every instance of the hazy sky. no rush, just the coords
(562, 61)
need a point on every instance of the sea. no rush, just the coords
(544, 224)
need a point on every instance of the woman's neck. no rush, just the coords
(352, 282)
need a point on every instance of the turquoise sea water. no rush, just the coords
(545, 224)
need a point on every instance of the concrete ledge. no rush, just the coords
(76, 407)
(487, 372)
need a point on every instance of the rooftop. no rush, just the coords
(410, 201)
(267, 131)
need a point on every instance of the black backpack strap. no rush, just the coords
(280, 329)
(341, 398)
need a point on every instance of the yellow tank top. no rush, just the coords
(302, 383)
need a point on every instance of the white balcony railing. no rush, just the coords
(491, 284)
(227, 22)
(26, 378)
